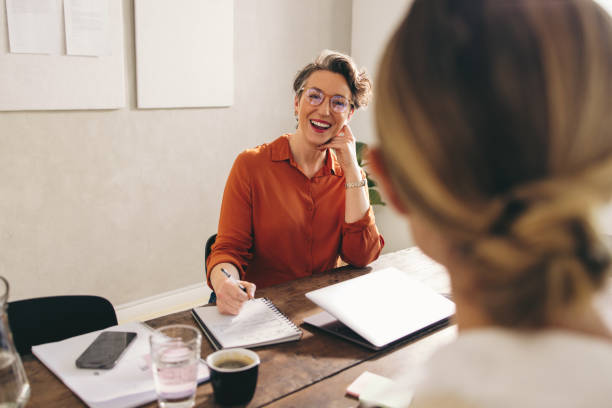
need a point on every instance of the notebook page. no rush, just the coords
(256, 323)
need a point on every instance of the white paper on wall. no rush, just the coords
(34, 26)
(87, 25)
(59, 82)
(184, 53)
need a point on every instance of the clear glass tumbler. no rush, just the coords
(175, 355)
(14, 386)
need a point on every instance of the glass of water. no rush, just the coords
(175, 354)
(14, 386)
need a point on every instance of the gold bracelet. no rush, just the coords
(355, 184)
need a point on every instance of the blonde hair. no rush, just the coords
(494, 123)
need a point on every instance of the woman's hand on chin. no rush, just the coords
(345, 147)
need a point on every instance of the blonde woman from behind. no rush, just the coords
(496, 143)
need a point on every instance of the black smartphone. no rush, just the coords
(105, 350)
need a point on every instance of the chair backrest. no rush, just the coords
(47, 319)
(209, 243)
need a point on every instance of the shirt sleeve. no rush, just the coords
(361, 241)
(235, 232)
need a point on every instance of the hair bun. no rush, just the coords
(591, 251)
(512, 210)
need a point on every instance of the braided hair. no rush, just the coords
(494, 123)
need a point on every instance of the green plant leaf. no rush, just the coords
(360, 151)
(375, 198)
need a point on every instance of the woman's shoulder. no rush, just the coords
(523, 347)
(263, 152)
(538, 364)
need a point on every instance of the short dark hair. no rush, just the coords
(357, 79)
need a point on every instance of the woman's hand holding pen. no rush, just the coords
(231, 292)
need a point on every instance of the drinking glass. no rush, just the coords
(175, 353)
(14, 386)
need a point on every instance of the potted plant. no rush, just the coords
(375, 198)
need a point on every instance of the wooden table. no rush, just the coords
(314, 371)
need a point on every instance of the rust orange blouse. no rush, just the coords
(277, 225)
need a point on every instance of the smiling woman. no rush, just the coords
(297, 206)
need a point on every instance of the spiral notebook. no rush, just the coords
(259, 323)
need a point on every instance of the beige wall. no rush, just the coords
(371, 27)
(119, 202)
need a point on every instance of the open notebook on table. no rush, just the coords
(129, 384)
(259, 323)
(380, 308)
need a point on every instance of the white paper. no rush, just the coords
(393, 396)
(87, 27)
(374, 390)
(60, 82)
(34, 26)
(184, 53)
(257, 324)
(129, 384)
(367, 381)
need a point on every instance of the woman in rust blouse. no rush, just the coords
(295, 206)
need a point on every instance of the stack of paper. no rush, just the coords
(128, 384)
(374, 390)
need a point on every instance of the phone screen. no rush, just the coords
(105, 350)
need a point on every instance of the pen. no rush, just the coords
(226, 273)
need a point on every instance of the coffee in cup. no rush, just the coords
(233, 374)
(234, 362)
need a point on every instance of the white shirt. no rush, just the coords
(506, 368)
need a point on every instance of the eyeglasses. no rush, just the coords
(338, 103)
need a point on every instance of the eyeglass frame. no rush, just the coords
(330, 97)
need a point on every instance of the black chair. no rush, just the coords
(54, 318)
(209, 243)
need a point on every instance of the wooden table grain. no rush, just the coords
(313, 371)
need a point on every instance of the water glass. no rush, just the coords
(175, 354)
(14, 386)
